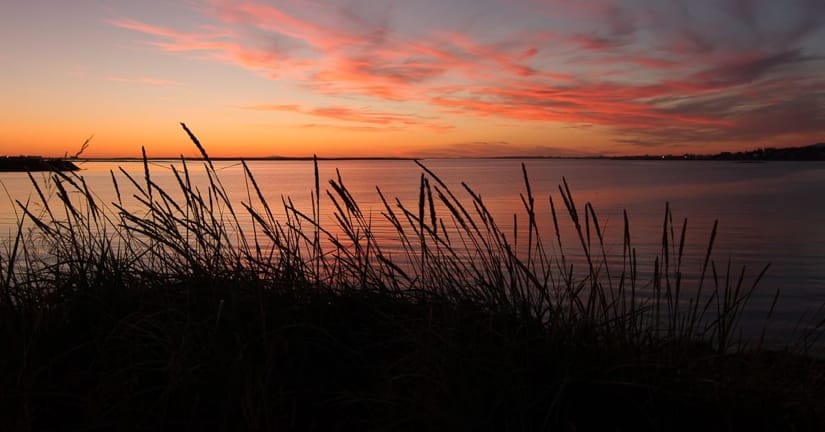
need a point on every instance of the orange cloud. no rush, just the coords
(648, 76)
(359, 115)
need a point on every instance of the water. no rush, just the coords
(767, 212)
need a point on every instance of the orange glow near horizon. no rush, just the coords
(258, 78)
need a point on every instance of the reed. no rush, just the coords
(174, 313)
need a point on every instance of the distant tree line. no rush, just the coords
(815, 152)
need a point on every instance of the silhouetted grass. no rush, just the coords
(179, 316)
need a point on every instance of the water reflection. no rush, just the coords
(767, 212)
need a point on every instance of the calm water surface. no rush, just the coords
(767, 212)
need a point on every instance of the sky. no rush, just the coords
(423, 78)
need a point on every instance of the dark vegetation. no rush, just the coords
(176, 317)
(815, 152)
(35, 163)
(39, 163)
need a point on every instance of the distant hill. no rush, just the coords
(815, 152)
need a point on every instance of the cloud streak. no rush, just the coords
(144, 81)
(493, 149)
(388, 120)
(705, 71)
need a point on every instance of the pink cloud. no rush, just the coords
(351, 128)
(270, 18)
(357, 115)
(219, 45)
(664, 80)
(506, 60)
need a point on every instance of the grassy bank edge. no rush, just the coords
(175, 315)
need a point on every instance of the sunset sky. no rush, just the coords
(410, 78)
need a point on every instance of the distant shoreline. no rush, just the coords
(815, 152)
(811, 153)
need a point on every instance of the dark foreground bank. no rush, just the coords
(171, 317)
(209, 354)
